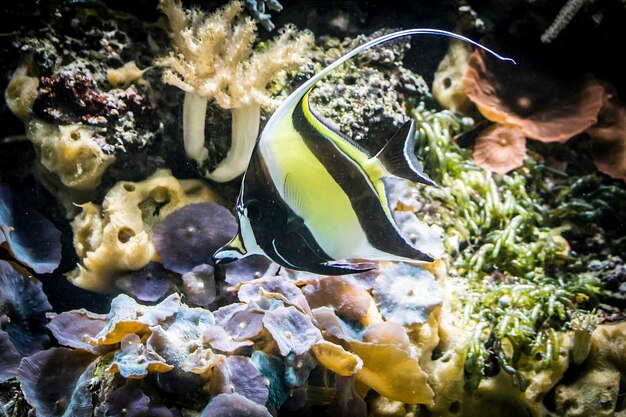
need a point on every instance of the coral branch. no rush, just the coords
(213, 59)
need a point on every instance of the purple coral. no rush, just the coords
(135, 360)
(234, 405)
(150, 283)
(253, 290)
(199, 286)
(32, 239)
(237, 374)
(9, 357)
(130, 401)
(23, 306)
(246, 269)
(54, 390)
(189, 236)
(74, 329)
(292, 330)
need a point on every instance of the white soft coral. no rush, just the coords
(213, 59)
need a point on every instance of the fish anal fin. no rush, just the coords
(398, 156)
(344, 267)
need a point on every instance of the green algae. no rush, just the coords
(517, 282)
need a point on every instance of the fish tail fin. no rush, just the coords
(398, 156)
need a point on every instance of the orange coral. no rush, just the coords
(609, 140)
(500, 149)
(544, 107)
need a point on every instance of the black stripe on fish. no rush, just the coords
(278, 230)
(381, 233)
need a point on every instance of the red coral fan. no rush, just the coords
(543, 106)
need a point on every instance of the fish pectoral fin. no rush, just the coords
(398, 156)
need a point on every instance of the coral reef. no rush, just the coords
(79, 123)
(117, 237)
(345, 96)
(522, 314)
(214, 59)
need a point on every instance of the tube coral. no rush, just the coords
(213, 59)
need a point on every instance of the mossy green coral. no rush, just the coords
(515, 282)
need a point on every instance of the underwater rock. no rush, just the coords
(364, 98)
(199, 286)
(406, 294)
(117, 237)
(150, 283)
(205, 66)
(78, 130)
(9, 357)
(23, 306)
(31, 238)
(79, 122)
(189, 236)
(55, 391)
(130, 401)
(234, 405)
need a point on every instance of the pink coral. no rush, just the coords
(500, 149)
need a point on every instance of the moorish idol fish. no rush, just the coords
(311, 199)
